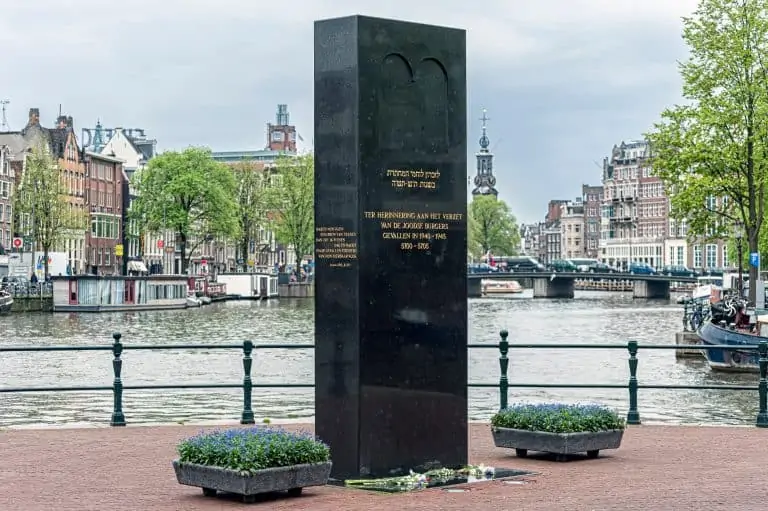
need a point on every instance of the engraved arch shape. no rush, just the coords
(394, 56)
(438, 64)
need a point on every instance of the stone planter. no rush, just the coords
(213, 479)
(562, 444)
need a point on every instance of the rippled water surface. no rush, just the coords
(600, 318)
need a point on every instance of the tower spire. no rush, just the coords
(485, 181)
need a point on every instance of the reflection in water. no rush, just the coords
(600, 318)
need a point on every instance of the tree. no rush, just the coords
(291, 202)
(711, 152)
(41, 205)
(492, 227)
(251, 185)
(190, 193)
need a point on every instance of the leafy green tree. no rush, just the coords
(474, 250)
(715, 145)
(291, 201)
(41, 206)
(492, 227)
(190, 193)
(251, 183)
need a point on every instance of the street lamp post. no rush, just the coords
(739, 234)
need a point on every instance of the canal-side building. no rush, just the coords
(635, 209)
(572, 229)
(7, 186)
(104, 194)
(67, 151)
(592, 197)
(63, 144)
(699, 253)
(551, 243)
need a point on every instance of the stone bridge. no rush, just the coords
(561, 284)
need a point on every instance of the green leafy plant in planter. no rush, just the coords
(558, 428)
(252, 461)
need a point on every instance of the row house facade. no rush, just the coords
(572, 229)
(6, 197)
(635, 209)
(550, 243)
(104, 194)
(592, 198)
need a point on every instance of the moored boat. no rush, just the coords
(6, 301)
(732, 325)
(735, 360)
(91, 293)
(501, 287)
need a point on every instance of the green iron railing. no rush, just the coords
(247, 384)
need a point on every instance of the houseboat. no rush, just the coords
(91, 293)
(254, 286)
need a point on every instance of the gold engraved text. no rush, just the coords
(336, 245)
(413, 179)
(414, 231)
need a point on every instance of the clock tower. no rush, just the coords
(485, 182)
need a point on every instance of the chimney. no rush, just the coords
(34, 117)
(61, 122)
(69, 122)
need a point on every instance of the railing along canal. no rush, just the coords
(504, 346)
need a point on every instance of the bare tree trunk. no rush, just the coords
(244, 252)
(184, 261)
(45, 263)
(752, 243)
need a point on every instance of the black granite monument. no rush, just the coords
(390, 245)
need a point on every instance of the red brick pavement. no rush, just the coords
(657, 468)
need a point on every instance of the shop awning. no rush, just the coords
(137, 266)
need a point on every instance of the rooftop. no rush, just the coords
(256, 155)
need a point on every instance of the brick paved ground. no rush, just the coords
(657, 468)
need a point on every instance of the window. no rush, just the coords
(107, 255)
(680, 256)
(711, 256)
(277, 136)
(5, 189)
(697, 256)
(726, 262)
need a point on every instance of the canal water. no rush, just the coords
(593, 317)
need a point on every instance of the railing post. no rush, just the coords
(118, 419)
(762, 388)
(633, 415)
(504, 366)
(247, 417)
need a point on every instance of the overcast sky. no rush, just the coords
(563, 80)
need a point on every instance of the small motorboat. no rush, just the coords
(193, 301)
(6, 301)
(501, 287)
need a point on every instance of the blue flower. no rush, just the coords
(252, 449)
(558, 417)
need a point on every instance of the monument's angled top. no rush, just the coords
(361, 17)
